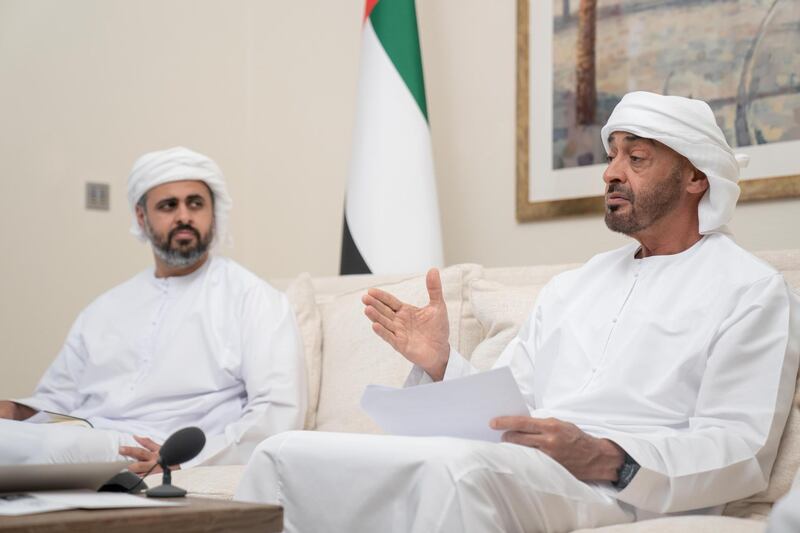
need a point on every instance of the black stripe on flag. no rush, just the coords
(352, 262)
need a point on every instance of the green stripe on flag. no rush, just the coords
(395, 24)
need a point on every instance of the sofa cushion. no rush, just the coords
(500, 310)
(527, 275)
(484, 335)
(301, 296)
(353, 356)
(785, 261)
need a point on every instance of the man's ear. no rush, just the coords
(140, 216)
(698, 184)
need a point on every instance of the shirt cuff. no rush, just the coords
(456, 367)
(417, 376)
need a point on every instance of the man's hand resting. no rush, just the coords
(146, 456)
(420, 334)
(15, 411)
(587, 458)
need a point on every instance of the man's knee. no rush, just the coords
(271, 447)
(260, 481)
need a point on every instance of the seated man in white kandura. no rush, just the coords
(197, 341)
(659, 376)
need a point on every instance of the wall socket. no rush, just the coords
(97, 196)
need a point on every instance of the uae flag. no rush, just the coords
(391, 216)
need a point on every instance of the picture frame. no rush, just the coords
(543, 192)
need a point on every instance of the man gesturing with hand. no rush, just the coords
(658, 376)
(421, 334)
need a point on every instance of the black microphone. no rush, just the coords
(181, 446)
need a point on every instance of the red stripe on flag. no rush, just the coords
(368, 8)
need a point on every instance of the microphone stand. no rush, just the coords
(166, 489)
(181, 446)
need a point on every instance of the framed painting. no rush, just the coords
(577, 58)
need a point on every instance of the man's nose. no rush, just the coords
(184, 214)
(614, 171)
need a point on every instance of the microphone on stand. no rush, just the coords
(181, 446)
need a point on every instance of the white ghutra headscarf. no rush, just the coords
(688, 127)
(178, 164)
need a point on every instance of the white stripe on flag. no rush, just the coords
(392, 207)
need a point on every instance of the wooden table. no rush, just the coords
(199, 514)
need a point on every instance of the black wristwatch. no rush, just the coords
(626, 472)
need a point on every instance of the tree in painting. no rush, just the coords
(585, 89)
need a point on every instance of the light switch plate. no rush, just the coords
(97, 196)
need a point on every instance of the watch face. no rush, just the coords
(626, 472)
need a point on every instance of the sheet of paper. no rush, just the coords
(84, 499)
(459, 407)
(43, 502)
(51, 417)
(21, 504)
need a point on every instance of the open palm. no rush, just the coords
(420, 334)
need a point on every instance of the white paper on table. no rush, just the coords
(21, 504)
(84, 499)
(459, 407)
(42, 502)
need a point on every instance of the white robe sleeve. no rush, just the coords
(57, 391)
(274, 375)
(457, 366)
(742, 405)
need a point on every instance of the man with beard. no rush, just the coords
(658, 376)
(196, 341)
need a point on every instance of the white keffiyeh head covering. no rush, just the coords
(688, 127)
(178, 164)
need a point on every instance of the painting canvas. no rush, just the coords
(577, 58)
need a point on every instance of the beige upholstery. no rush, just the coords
(309, 321)
(486, 308)
(500, 311)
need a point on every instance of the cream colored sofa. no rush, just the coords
(486, 307)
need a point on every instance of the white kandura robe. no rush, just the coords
(218, 349)
(687, 361)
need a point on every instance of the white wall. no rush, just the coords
(267, 88)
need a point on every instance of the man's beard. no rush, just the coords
(648, 208)
(179, 256)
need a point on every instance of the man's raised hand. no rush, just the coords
(420, 334)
